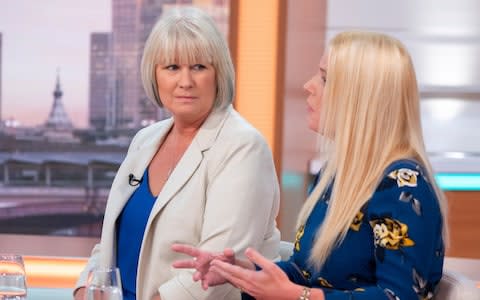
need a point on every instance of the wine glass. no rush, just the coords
(104, 284)
(12, 277)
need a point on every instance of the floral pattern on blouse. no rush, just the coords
(421, 286)
(394, 249)
(323, 282)
(357, 221)
(407, 197)
(391, 295)
(404, 177)
(390, 234)
(298, 236)
(306, 274)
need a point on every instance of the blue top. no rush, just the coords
(130, 229)
(393, 250)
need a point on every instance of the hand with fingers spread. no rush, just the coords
(201, 261)
(268, 283)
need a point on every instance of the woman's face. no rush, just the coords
(315, 87)
(187, 91)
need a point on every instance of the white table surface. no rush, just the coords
(49, 294)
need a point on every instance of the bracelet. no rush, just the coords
(305, 294)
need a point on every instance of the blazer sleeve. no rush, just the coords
(91, 264)
(242, 201)
(93, 260)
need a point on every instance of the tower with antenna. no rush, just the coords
(58, 126)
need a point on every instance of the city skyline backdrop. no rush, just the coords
(39, 37)
(79, 44)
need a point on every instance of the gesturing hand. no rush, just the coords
(201, 262)
(269, 283)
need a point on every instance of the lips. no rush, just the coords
(185, 98)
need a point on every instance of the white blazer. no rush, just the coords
(222, 193)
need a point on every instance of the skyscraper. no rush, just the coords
(1, 123)
(132, 21)
(125, 52)
(150, 11)
(101, 81)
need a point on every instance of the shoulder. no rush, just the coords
(145, 134)
(404, 173)
(236, 130)
(239, 142)
(154, 128)
(406, 185)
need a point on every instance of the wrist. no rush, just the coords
(293, 292)
(305, 294)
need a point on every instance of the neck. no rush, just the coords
(187, 128)
(183, 133)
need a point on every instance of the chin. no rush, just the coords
(313, 126)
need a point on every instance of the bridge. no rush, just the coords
(55, 193)
(51, 210)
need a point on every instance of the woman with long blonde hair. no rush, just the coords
(374, 224)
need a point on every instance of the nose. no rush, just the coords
(185, 80)
(307, 86)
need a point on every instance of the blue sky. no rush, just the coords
(39, 37)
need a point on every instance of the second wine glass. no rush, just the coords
(12, 277)
(104, 284)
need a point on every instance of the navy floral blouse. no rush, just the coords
(393, 250)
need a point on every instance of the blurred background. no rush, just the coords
(71, 99)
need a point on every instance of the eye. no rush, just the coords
(198, 67)
(324, 79)
(172, 67)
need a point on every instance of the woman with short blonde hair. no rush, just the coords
(187, 35)
(204, 177)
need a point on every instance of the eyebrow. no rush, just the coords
(323, 70)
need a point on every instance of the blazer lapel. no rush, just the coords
(185, 168)
(192, 158)
(135, 163)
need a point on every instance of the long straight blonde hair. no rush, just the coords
(370, 117)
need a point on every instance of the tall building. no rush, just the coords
(219, 10)
(150, 11)
(1, 123)
(125, 52)
(101, 81)
(131, 23)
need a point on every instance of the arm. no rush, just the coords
(268, 283)
(241, 206)
(242, 198)
(92, 262)
(94, 258)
